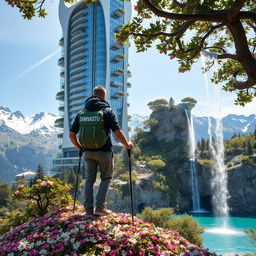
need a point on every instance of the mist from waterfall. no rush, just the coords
(216, 144)
(193, 171)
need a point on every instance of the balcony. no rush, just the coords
(77, 83)
(78, 15)
(118, 72)
(118, 13)
(78, 43)
(115, 85)
(78, 57)
(80, 28)
(78, 21)
(60, 136)
(61, 42)
(78, 36)
(77, 70)
(78, 50)
(119, 57)
(60, 96)
(59, 123)
(129, 73)
(129, 85)
(77, 77)
(61, 108)
(62, 74)
(77, 63)
(61, 61)
(119, 94)
(117, 46)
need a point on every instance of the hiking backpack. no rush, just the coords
(92, 133)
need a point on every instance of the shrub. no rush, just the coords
(126, 177)
(156, 164)
(252, 235)
(186, 226)
(43, 197)
(159, 217)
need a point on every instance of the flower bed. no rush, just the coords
(64, 233)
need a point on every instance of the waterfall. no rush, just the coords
(192, 148)
(216, 144)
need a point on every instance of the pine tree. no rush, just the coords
(39, 172)
(249, 148)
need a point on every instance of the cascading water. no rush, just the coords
(216, 145)
(192, 148)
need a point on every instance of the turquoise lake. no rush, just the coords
(226, 235)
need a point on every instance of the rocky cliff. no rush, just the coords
(168, 137)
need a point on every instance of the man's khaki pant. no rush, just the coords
(93, 160)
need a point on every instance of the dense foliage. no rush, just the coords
(184, 29)
(186, 226)
(65, 233)
(43, 197)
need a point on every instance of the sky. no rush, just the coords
(29, 74)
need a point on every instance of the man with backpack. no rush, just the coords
(94, 124)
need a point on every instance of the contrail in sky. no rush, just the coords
(40, 62)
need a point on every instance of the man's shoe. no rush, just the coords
(89, 212)
(102, 212)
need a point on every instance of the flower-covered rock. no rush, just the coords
(66, 233)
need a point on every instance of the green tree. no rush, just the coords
(39, 172)
(157, 104)
(183, 29)
(156, 164)
(5, 195)
(249, 148)
(30, 9)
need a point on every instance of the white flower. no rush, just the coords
(76, 245)
(132, 240)
(39, 242)
(31, 246)
(47, 228)
(107, 248)
(43, 252)
(10, 254)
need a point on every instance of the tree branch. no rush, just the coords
(235, 9)
(178, 4)
(217, 16)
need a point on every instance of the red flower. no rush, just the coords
(12, 3)
(136, 8)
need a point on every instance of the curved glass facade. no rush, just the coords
(91, 57)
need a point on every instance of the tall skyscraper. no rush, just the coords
(90, 56)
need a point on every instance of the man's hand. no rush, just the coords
(129, 145)
(74, 141)
(122, 138)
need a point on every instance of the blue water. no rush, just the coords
(226, 235)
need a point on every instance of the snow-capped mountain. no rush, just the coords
(41, 124)
(136, 121)
(232, 124)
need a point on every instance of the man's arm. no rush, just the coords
(74, 140)
(122, 139)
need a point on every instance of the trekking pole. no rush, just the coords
(130, 175)
(77, 177)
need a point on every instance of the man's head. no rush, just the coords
(99, 91)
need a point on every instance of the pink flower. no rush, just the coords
(33, 202)
(100, 246)
(49, 183)
(136, 8)
(150, 246)
(182, 70)
(45, 246)
(62, 248)
(118, 41)
(129, 252)
(17, 192)
(38, 180)
(12, 3)
(172, 57)
(43, 184)
(168, 49)
(113, 253)
(141, 252)
(161, 52)
(170, 247)
(21, 186)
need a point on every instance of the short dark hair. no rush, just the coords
(99, 90)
